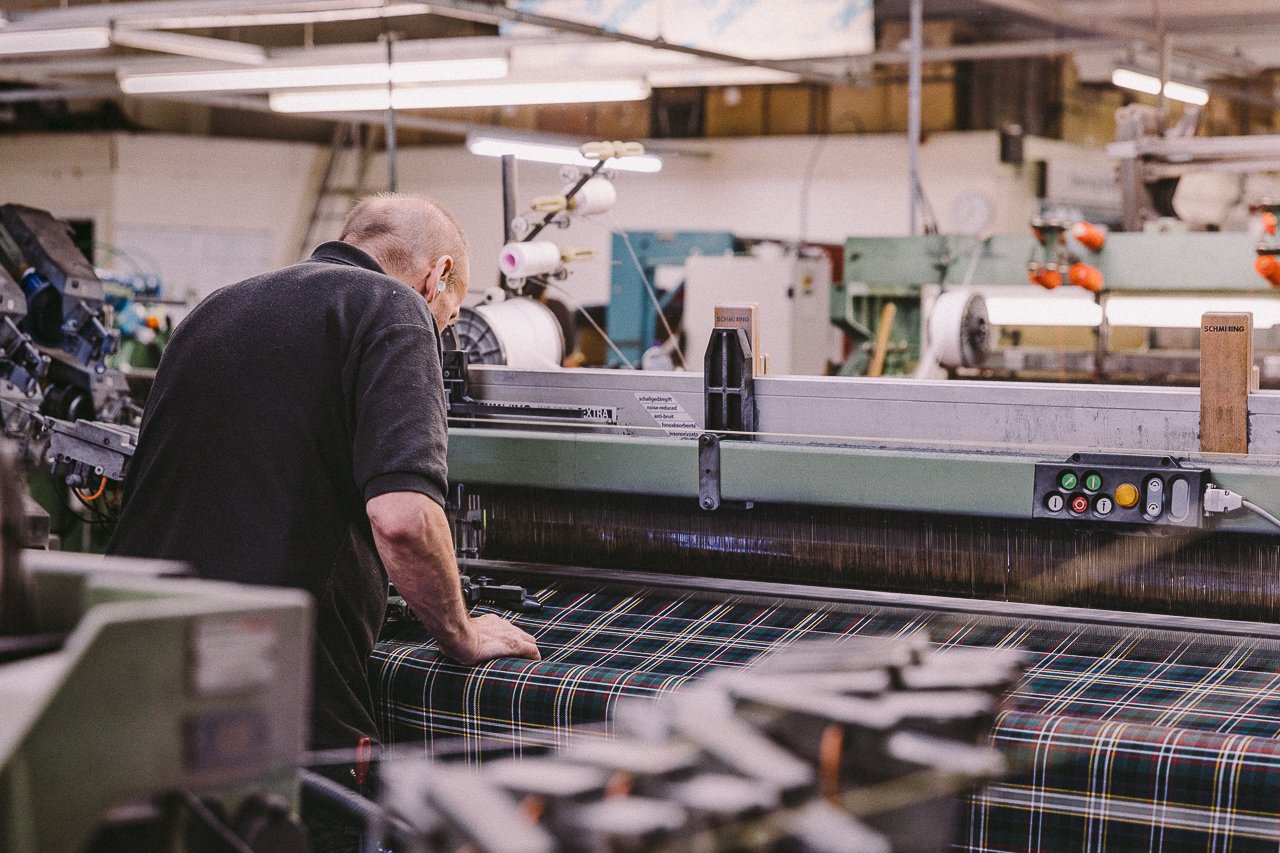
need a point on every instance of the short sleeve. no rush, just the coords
(401, 434)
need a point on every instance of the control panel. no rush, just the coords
(1142, 490)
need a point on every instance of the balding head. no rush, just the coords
(406, 234)
(416, 242)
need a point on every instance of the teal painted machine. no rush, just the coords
(632, 320)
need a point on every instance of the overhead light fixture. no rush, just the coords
(545, 152)
(298, 76)
(347, 11)
(1139, 82)
(54, 41)
(478, 95)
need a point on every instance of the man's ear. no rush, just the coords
(436, 282)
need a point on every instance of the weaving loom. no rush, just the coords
(1114, 731)
(655, 515)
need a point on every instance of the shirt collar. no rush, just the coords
(338, 252)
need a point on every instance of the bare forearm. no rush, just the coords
(415, 543)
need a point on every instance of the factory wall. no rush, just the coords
(199, 212)
(72, 176)
(204, 212)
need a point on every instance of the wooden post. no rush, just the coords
(1226, 377)
(876, 367)
(744, 316)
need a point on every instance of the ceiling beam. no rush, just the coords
(199, 47)
(107, 14)
(488, 13)
(1139, 10)
(1053, 14)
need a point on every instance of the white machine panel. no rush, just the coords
(794, 299)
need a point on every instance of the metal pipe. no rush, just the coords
(914, 83)
(509, 202)
(1166, 60)
(392, 183)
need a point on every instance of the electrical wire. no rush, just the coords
(1260, 512)
(577, 306)
(99, 517)
(102, 487)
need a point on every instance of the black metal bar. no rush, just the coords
(1051, 613)
(573, 191)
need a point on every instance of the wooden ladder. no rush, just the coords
(343, 183)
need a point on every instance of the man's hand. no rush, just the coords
(493, 637)
(415, 543)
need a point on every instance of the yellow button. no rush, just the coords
(1127, 495)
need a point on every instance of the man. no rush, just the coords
(296, 436)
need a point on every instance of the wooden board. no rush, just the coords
(1226, 376)
(744, 315)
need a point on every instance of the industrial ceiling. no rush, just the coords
(1228, 46)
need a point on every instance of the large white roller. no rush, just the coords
(521, 333)
(958, 329)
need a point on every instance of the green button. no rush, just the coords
(1068, 480)
(1092, 482)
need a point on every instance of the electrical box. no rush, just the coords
(1141, 490)
(794, 295)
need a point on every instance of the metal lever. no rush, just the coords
(482, 590)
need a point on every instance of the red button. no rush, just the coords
(1079, 504)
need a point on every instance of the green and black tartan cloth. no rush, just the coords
(1120, 740)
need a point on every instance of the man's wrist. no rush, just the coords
(459, 641)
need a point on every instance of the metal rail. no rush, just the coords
(1266, 634)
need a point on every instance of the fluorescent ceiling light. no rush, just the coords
(50, 41)
(1186, 94)
(565, 155)
(479, 95)
(1139, 82)
(282, 77)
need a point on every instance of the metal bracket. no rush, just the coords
(709, 471)
(730, 406)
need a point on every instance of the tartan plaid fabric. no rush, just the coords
(1119, 739)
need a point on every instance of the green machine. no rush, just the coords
(151, 712)
(1153, 286)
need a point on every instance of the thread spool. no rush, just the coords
(521, 260)
(597, 195)
(959, 333)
